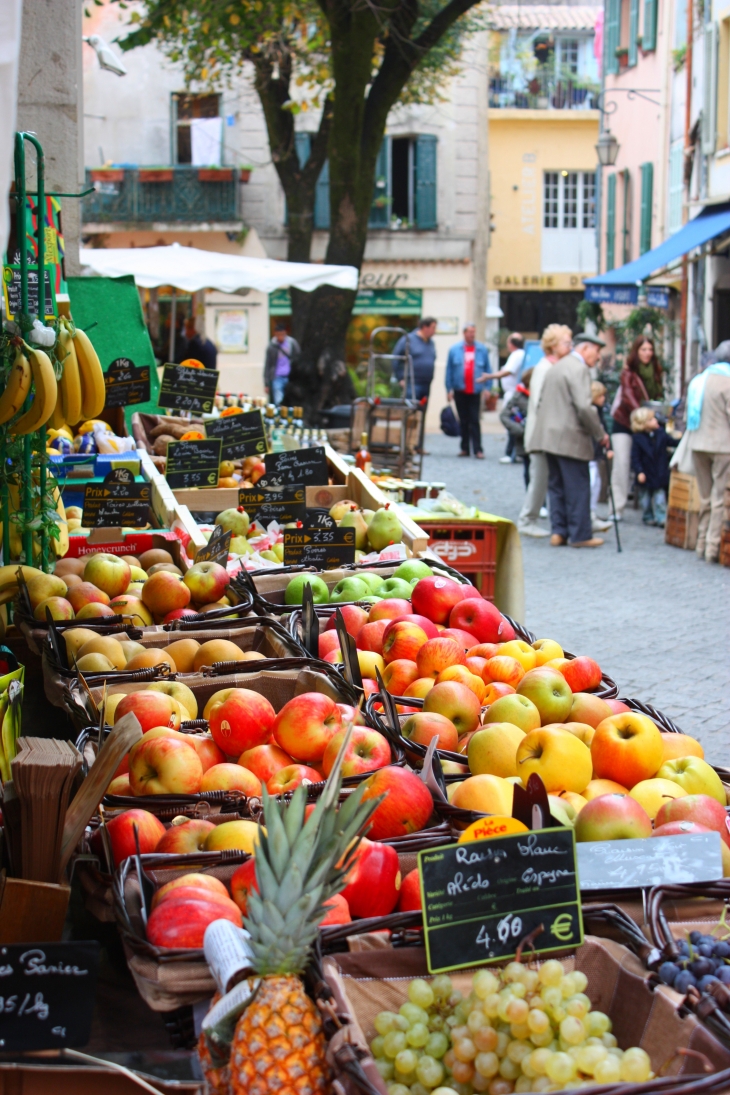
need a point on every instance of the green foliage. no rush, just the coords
(589, 311)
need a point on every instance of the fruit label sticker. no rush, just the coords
(266, 503)
(48, 992)
(11, 292)
(483, 897)
(118, 502)
(186, 388)
(193, 463)
(241, 434)
(308, 466)
(217, 548)
(323, 548)
(637, 863)
(126, 384)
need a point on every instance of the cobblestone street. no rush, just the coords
(654, 617)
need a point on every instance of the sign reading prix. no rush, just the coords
(118, 502)
(193, 463)
(126, 385)
(265, 503)
(481, 898)
(307, 466)
(187, 389)
(48, 992)
(317, 543)
(241, 434)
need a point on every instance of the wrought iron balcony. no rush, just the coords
(541, 92)
(180, 194)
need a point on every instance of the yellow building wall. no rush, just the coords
(523, 144)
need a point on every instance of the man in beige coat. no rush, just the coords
(566, 425)
(709, 441)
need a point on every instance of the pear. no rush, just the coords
(368, 514)
(354, 519)
(384, 529)
(339, 509)
(240, 546)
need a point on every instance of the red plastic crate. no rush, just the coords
(469, 547)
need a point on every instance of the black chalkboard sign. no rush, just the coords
(307, 466)
(187, 389)
(126, 385)
(481, 898)
(118, 502)
(323, 548)
(265, 503)
(48, 992)
(11, 289)
(193, 463)
(241, 434)
(217, 548)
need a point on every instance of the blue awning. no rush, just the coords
(713, 221)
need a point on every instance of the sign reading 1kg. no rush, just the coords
(187, 389)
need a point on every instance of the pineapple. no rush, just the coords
(278, 1047)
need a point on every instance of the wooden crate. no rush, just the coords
(683, 492)
(681, 528)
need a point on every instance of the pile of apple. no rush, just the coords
(150, 589)
(93, 653)
(365, 586)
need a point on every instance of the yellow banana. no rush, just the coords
(93, 390)
(57, 419)
(70, 380)
(17, 387)
(46, 393)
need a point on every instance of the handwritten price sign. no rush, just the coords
(47, 993)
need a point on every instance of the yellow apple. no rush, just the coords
(581, 730)
(493, 750)
(521, 651)
(598, 787)
(653, 793)
(695, 776)
(677, 745)
(180, 692)
(369, 661)
(560, 759)
(485, 794)
(575, 800)
(241, 835)
(546, 649)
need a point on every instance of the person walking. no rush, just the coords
(467, 374)
(567, 424)
(281, 353)
(202, 349)
(708, 425)
(509, 376)
(513, 417)
(556, 343)
(642, 367)
(423, 355)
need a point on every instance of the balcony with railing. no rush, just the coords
(541, 91)
(179, 194)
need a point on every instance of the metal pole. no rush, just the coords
(20, 190)
(41, 238)
(613, 504)
(173, 322)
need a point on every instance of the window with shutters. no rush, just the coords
(676, 184)
(612, 35)
(648, 37)
(611, 222)
(647, 204)
(568, 236)
(633, 43)
(550, 219)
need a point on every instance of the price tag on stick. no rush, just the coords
(483, 897)
(325, 549)
(118, 502)
(310, 622)
(307, 466)
(217, 548)
(126, 384)
(193, 463)
(241, 434)
(349, 652)
(265, 503)
(48, 993)
(187, 389)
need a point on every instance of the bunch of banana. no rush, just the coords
(17, 387)
(93, 390)
(59, 547)
(46, 390)
(11, 700)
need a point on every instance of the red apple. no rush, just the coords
(439, 654)
(182, 924)
(333, 656)
(369, 687)
(243, 881)
(464, 638)
(367, 751)
(164, 766)
(206, 882)
(435, 597)
(354, 617)
(409, 899)
(612, 817)
(495, 691)
(231, 777)
(582, 674)
(121, 833)
(329, 641)
(457, 702)
(207, 750)
(178, 614)
(370, 637)
(164, 591)
(407, 805)
(627, 748)
(701, 809)
(288, 779)
(207, 582)
(503, 669)
(399, 674)
(150, 709)
(373, 881)
(338, 911)
(425, 725)
(305, 725)
(420, 688)
(242, 720)
(182, 894)
(181, 839)
(265, 761)
(351, 714)
(390, 608)
(120, 785)
(485, 650)
(422, 621)
(617, 706)
(107, 572)
(476, 665)
(403, 640)
(86, 594)
(481, 618)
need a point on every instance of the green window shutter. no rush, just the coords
(611, 223)
(425, 181)
(380, 212)
(647, 194)
(322, 198)
(709, 103)
(648, 38)
(612, 35)
(302, 146)
(633, 32)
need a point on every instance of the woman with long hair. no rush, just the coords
(641, 380)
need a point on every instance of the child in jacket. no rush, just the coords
(513, 417)
(650, 455)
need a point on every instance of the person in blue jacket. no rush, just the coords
(467, 375)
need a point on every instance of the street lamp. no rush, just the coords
(607, 148)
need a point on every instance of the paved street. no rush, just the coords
(654, 617)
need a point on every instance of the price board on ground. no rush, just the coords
(118, 502)
(307, 466)
(193, 463)
(322, 547)
(217, 548)
(265, 503)
(241, 434)
(11, 292)
(126, 385)
(187, 389)
(48, 992)
(483, 897)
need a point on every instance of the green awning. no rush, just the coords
(379, 302)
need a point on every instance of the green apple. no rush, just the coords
(413, 569)
(372, 580)
(396, 587)
(695, 776)
(349, 589)
(295, 589)
(371, 599)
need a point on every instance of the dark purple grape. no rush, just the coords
(695, 937)
(683, 980)
(701, 967)
(667, 972)
(722, 950)
(708, 940)
(706, 950)
(723, 974)
(683, 947)
(704, 982)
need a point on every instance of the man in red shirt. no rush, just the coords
(467, 374)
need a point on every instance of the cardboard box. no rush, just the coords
(683, 492)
